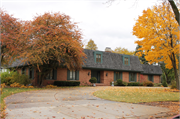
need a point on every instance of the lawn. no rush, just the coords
(137, 95)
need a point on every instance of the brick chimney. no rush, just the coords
(108, 49)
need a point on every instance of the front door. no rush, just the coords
(96, 74)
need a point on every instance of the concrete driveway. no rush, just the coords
(74, 103)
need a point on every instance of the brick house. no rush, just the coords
(103, 65)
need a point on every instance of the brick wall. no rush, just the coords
(143, 78)
(102, 75)
(156, 79)
(19, 71)
(125, 76)
(138, 77)
(61, 76)
(84, 77)
(107, 79)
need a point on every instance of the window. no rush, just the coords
(150, 78)
(126, 60)
(98, 58)
(132, 77)
(117, 75)
(23, 70)
(72, 75)
(31, 73)
(52, 75)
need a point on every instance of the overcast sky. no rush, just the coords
(108, 25)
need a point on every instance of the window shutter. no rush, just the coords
(55, 74)
(32, 73)
(68, 75)
(129, 77)
(114, 76)
(77, 75)
(135, 76)
(152, 78)
(25, 71)
(121, 76)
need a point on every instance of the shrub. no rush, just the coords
(93, 80)
(140, 84)
(148, 83)
(66, 83)
(21, 79)
(121, 83)
(157, 84)
(164, 83)
(5, 77)
(173, 84)
(134, 84)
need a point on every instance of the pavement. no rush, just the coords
(74, 103)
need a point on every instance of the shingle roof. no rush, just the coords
(111, 61)
(151, 69)
(17, 63)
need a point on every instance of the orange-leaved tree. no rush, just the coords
(159, 32)
(53, 41)
(10, 37)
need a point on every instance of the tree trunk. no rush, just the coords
(175, 10)
(175, 71)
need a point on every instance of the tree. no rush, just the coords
(168, 74)
(123, 51)
(91, 45)
(141, 55)
(10, 37)
(159, 32)
(53, 41)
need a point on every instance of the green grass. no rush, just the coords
(137, 95)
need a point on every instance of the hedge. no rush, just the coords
(134, 84)
(66, 83)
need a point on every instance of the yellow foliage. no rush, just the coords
(15, 85)
(3, 85)
(123, 51)
(30, 86)
(91, 45)
(51, 86)
(23, 86)
(158, 29)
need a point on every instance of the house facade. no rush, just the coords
(104, 65)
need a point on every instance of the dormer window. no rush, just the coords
(126, 60)
(98, 55)
(98, 58)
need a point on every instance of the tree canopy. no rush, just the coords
(11, 40)
(91, 45)
(123, 51)
(159, 32)
(49, 41)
